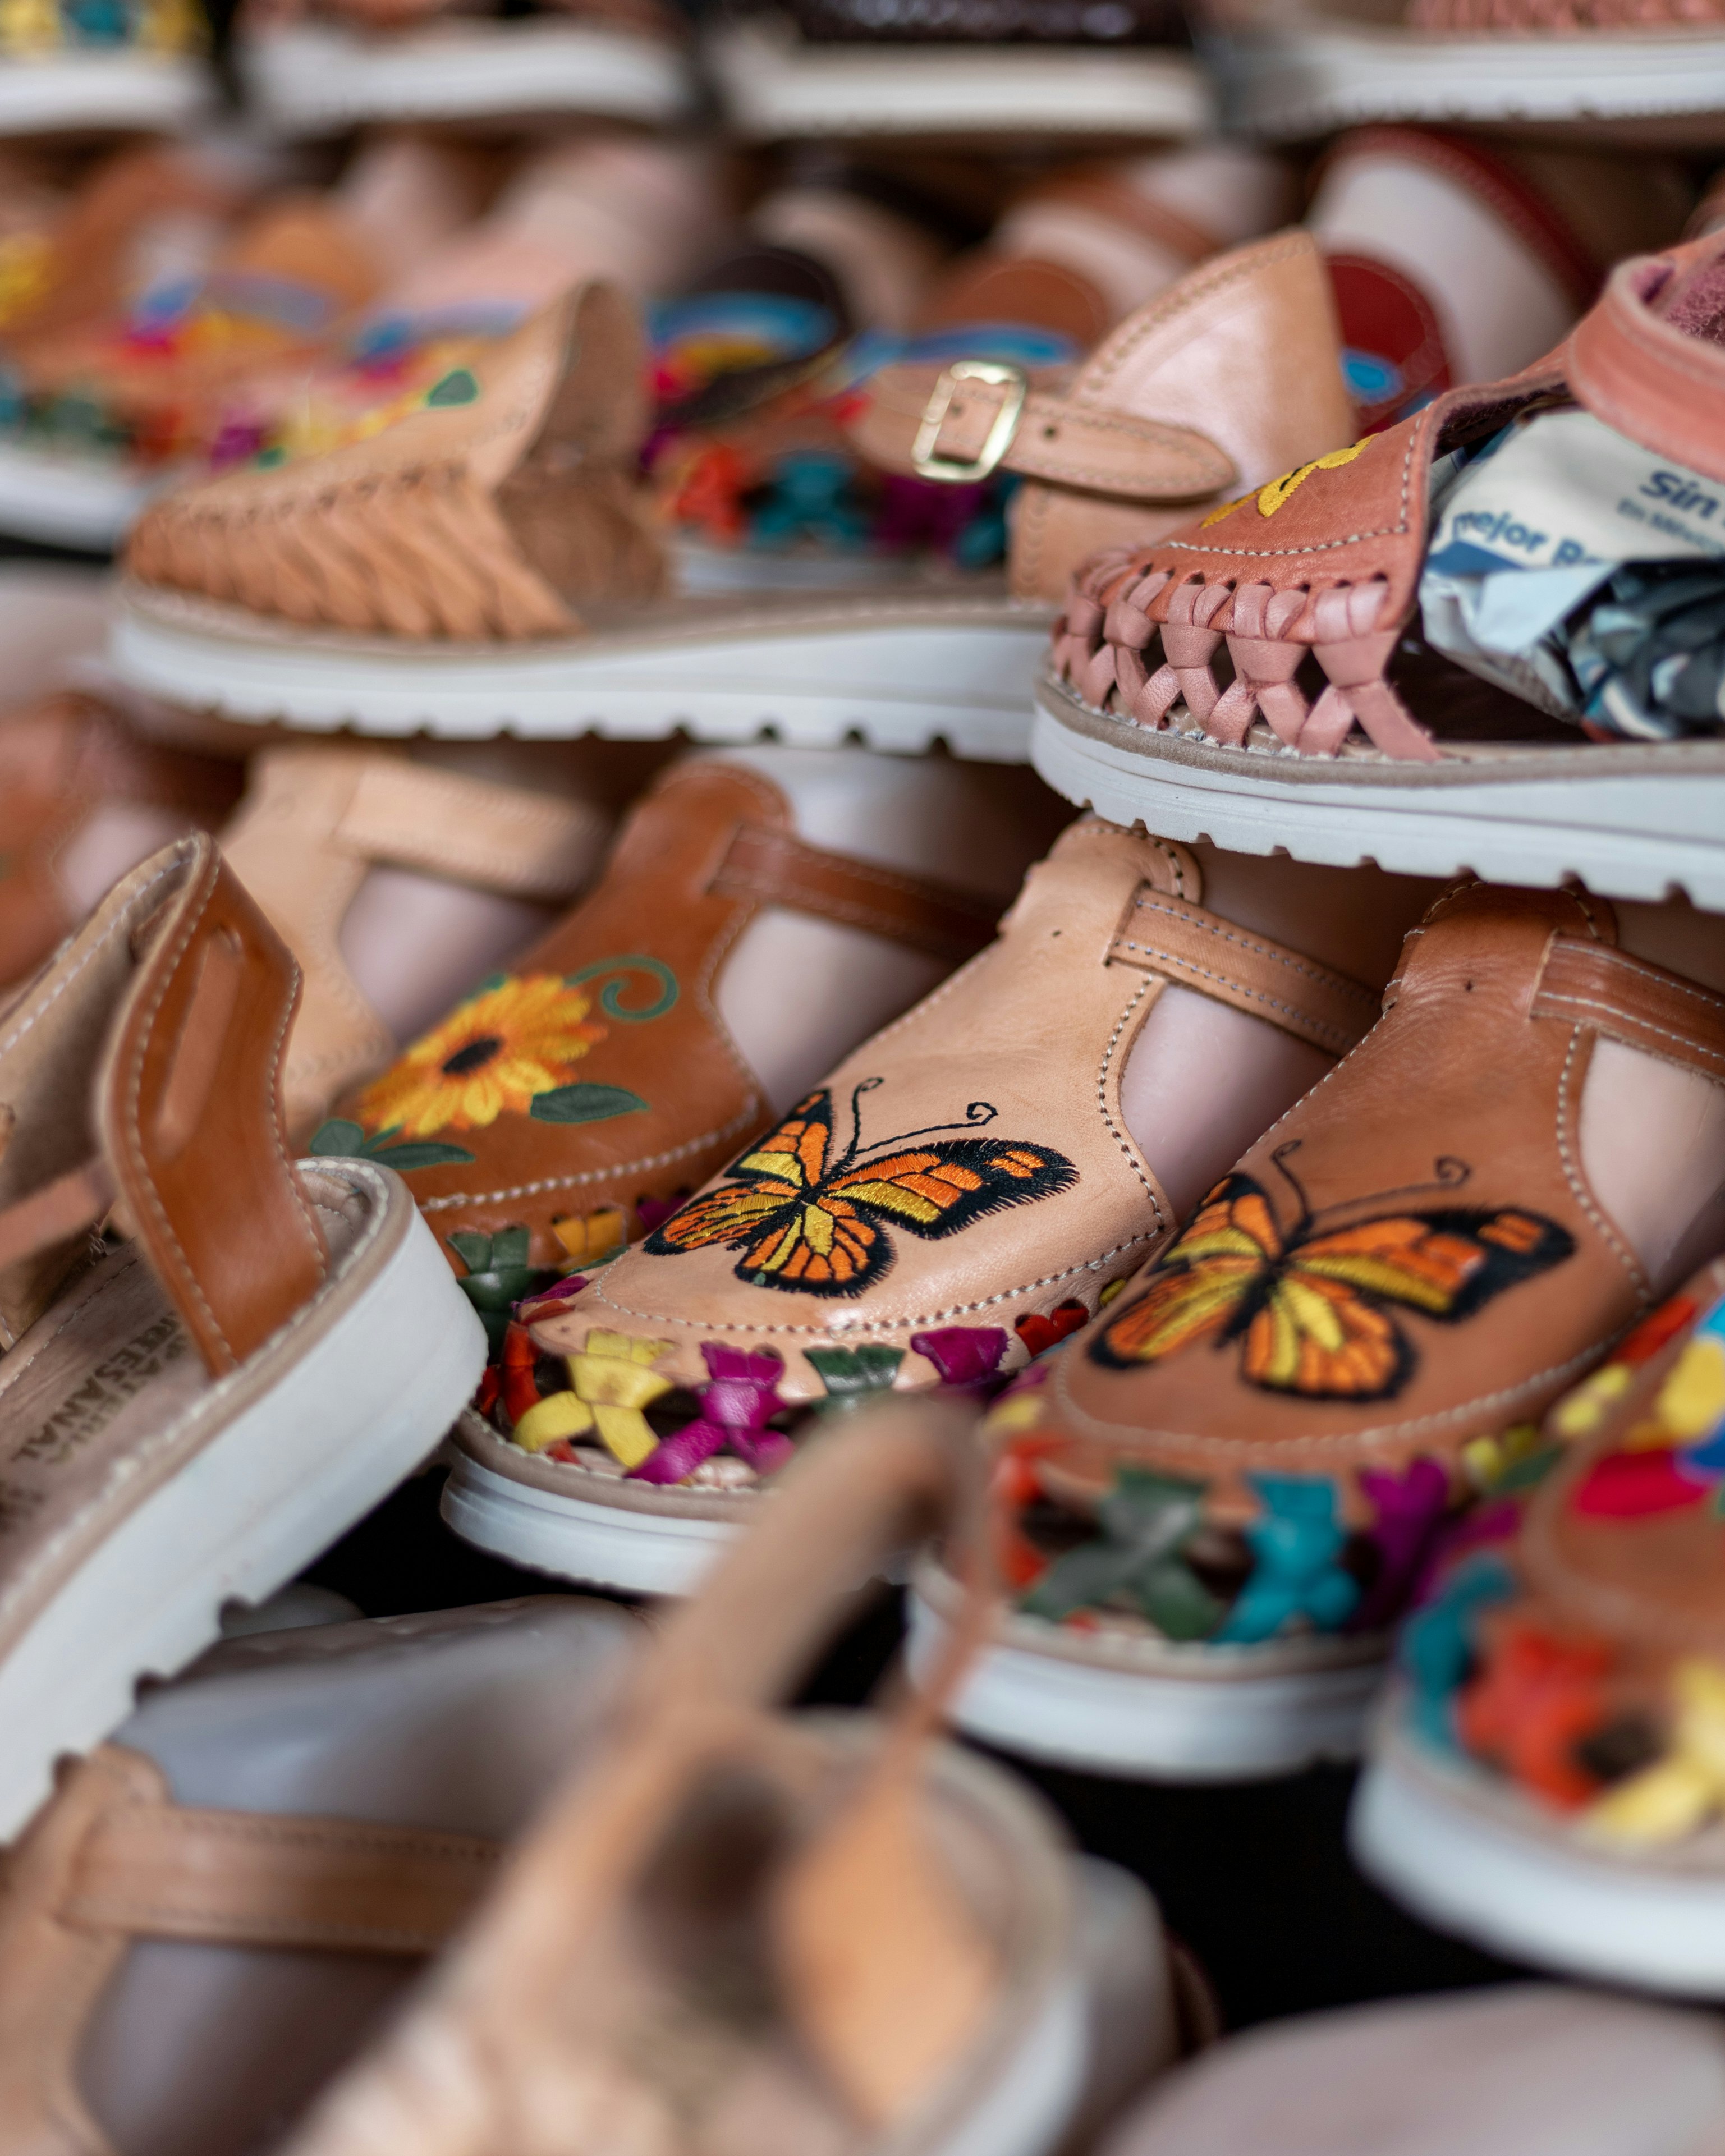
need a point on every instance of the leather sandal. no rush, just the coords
(959, 1195)
(748, 1930)
(1545, 1777)
(61, 759)
(567, 1105)
(1229, 1486)
(307, 1816)
(491, 561)
(191, 1416)
(1332, 728)
(315, 820)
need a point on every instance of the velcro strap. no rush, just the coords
(1165, 935)
(1092, 447)
(1641, 1005)
(252, 1879)
(468, 830)
(776, 869)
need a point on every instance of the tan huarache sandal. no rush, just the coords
(1230, 1487)
(960, 1193)
(190, 1417)
(490, 563)
(201, 1925)
(745, 1931)
(1356, 661)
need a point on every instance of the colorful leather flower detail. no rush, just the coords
(612, 1382)
(1312, 1305)
(1681, 1792)
(1676, 1456)
(738, 1400)
(1536, 1701)
(813, 1223)
(1410, 1509)
(1147, 1521)
(1297, 1542)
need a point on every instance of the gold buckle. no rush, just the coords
(955, 469)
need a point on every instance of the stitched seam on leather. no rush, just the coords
(1573, 1174)
(101, 943)
(213, 1395)
(1121, 1138)
(1185, 296)
(126, 1916)
(1146, 1437)
(134, 1091)
(738, 1122)
(1318, 546)
(1631, 1024)
(1639, 969)
(1306, 1021)
(1294, 963)
(840, 1332)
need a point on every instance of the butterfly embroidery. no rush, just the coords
(815, 1225)
(1313, 1309)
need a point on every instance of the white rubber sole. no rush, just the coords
(603, 1545)
(345, 1422)
(313, 79)
(82, 502)
(1204, 1716)
(1634, 821)
(776, 87)
(1668, 82)
(96, 91)
(1532, 1895)
(960, 674)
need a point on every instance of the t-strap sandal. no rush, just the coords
(200, 1928)
(192, 1416)
(749, 1931)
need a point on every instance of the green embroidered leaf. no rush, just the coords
(474, 1250)
(458, 387)
(1082, 1579)
(404, 1158)
(1176, 1602)
(338, 1137)
(584, 1104)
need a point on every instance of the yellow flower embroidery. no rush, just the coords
(1271, 497)
(1683, 1790)
(611, 1385)
(513, 1040)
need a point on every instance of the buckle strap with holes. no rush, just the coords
(1235, 966)
(775, 869)
(1629, 1000)
(976, 417)
(172, 1871)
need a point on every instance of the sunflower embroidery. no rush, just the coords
(514, 1039)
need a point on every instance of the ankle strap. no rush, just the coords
(170, 1871)
(1235, 966)
(973, 418)
(1586, 983)
(775, 868)
(471, 830)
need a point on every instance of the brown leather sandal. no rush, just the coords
(749, 1931)
(1265, 1438)
(961, 1192)
(490, 563)
(204, 1408)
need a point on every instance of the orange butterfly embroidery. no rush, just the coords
(817, 1228)
(1311, 1309)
